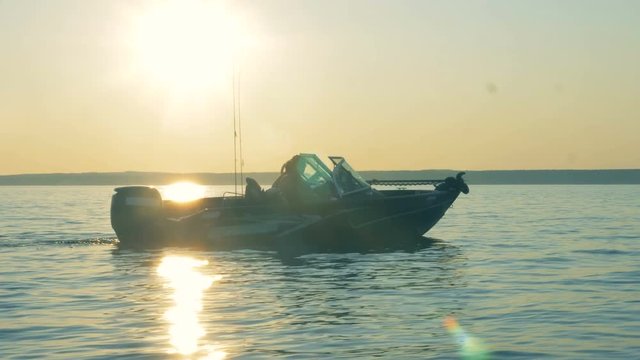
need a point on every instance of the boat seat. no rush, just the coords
(253, 192)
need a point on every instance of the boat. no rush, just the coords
(309, 207)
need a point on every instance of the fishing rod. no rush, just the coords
(237, 130)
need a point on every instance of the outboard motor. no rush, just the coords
(135, 213)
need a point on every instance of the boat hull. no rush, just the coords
(347, 224)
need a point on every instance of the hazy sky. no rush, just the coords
(147, 85)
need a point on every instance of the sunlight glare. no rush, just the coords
(188, 45)
(183, 192)
(188, 287)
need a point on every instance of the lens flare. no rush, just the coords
(470, 348)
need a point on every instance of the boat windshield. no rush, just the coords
(306, 179)
(347, 180)
(312, 170)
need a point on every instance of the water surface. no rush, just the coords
(532, 271)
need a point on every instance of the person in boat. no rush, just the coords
(288, 186)
(289, 183)
(302, 183)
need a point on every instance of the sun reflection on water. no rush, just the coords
(188, 286)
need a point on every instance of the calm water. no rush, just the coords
(531, 271)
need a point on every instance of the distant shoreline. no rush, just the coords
(484, 177)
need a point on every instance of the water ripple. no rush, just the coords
(533, 271)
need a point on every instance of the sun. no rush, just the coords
(186, 46)
(182, 191)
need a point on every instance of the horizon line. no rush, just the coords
(273, 172)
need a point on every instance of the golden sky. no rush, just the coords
(147, 85)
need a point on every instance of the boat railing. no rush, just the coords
(403, 182)
(229, 194)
